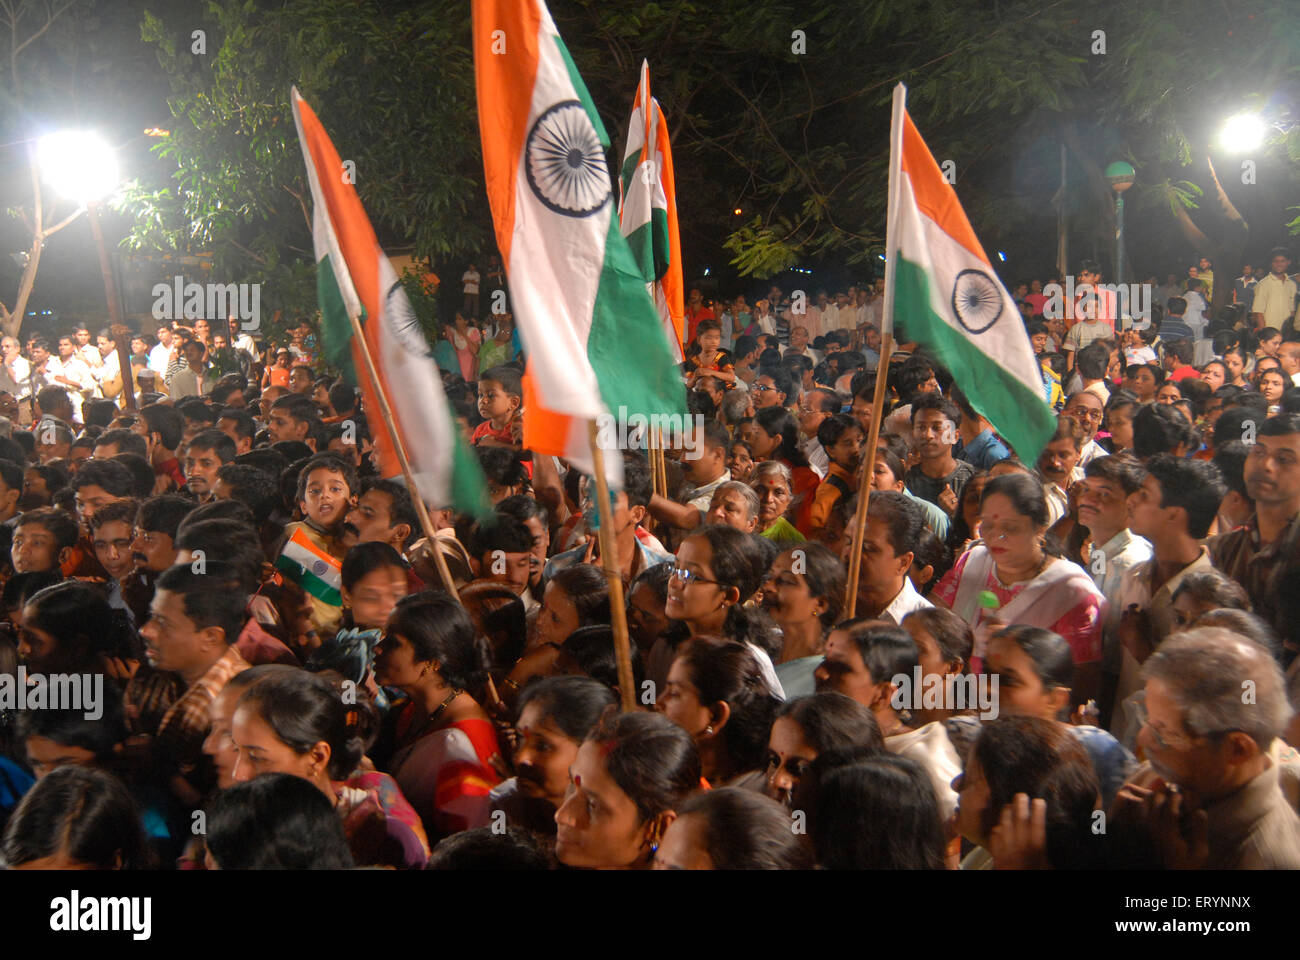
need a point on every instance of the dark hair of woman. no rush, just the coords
(778, 420)
(304, 709)
(366, 558)
(738, 561)
(486, 848)
(1049, 652)
(276, 822)
(593, 649)
(1024, 492)
(438, 628)
(78, 615)
(499, 614)
(832, 721)
(650, 758)
(574, 704)
(952, 635)
(1042, 758)
(86, 815)
(878, 814)
(70, 728)
(824, 576)
(745, 830)
(726, 671)
(587, 589)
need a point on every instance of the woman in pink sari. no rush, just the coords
(465, 340)
(1008, 578)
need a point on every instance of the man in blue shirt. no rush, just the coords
(980, 446)
(1174, 326)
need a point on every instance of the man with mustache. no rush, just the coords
(204, 457)
(1264, 554)
(1209, 793)
(1058, 466)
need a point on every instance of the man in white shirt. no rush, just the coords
(161, 354)
(799, 345)
(69, 371)
(110, 367)
(893, 528)
(1275, 295)
(240, 340)
(1088, 411)
(194, 379)
(1103, 508)
(17, 368)
(85, 349)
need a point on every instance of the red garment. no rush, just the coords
(171, 468)
(280, 376)
(257, 646)
(484, 430)
(1184, 372)
(693, 318)
(806, 482)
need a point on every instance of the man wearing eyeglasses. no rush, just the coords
(1209, 793)
(1087, 410)
(1264, 554)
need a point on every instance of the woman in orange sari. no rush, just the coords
(446, 747)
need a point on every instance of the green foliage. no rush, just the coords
(391, 88)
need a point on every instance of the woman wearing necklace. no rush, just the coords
(446, 746)
(465, 340)
(1008, 577)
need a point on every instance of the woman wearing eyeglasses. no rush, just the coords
(1009, 577)
(717, 570)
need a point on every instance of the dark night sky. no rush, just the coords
(126, 93)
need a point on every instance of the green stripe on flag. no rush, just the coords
(336, 327)
(468, 484)
(662, 250)
(626, 346)
(311, 583)
(583, 95)
(1016, 412)
(641, 242)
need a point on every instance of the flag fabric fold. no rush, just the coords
(594, 340)
(355, 279)
(946, 292)
(647, 210)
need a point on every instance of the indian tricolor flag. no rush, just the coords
(647, 210)
(312, 568)
(355, 279)
(944, 290)
(594, 340)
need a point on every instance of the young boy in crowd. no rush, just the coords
(842, 438)
(500, 403)
(311, 551)
(43, 540)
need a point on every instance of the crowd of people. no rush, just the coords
(1084, 660)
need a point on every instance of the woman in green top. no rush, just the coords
(772, 482)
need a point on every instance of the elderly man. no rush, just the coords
(1209, 792)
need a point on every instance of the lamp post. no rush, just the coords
(81, 165)
(1121, 176)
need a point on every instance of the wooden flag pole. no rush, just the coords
(609, 560)
(868, 475)
(386, 412)
(652, 452)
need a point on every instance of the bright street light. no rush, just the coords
(1243, 133)
(78, 164)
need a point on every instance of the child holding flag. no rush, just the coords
(311, 551)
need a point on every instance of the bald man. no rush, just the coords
(1289, 356)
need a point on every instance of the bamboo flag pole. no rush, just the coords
(867, 476)
(897, 115)
(609, 560)
(652, 451)
(386, 412)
